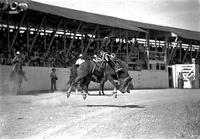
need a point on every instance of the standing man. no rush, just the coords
(17, 60)
(180, 80)
(53, 77)
(17, 67)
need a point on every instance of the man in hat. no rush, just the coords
(80, 60)
(17, 60)
(53, 77)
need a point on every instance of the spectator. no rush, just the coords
(53, 77)
(180, 80)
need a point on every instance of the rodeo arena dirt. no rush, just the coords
(70, 74)
(165, 113)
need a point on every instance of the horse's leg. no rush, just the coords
(69, 90)
(18, 82)
(19, 86)
(84, 92)
(80, 77)
(76, 89)
(115, 87)
(101, 90)
(128, 88)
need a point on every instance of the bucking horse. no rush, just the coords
(100, 72)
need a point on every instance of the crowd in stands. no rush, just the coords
(37, 56)
(56, 56)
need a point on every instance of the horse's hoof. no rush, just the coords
(84, 96)
(114, 93)
(68, 94)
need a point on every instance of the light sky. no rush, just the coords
(175, 13)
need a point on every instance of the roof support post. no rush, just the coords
(53, 36)
(191, 54)
(155, 37)
(37, 32)
(171, 56)
(82, 44)
(109, 36)
(174, 53)
(45, 35)
(120, 42)
(196, 56)
(8, 33)
(98, 43)
(27, 32)
(64, 37)
(18, 29)
(180, 52)
(147, 47)
(88, 44)
(72, 41)
(166, 48)
(127, 54)
(186, 52)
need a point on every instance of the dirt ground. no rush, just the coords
(142, 114)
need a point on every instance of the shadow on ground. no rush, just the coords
(117, 106)
(100, 95)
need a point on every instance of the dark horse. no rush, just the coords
(99, 72)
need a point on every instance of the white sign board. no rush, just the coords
(190, 75)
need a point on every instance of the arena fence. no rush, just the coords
(39, 79)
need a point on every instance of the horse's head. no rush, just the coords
(126, 85)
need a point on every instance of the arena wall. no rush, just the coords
(39, 79)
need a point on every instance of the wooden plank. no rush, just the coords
(27, 32)
(53, 36)
(88, 45)
(8, 33)
(72, 41)
(186, 53)
(196, 56)
(18, 29)
(64, 38)
(37, 32)
(120, 45)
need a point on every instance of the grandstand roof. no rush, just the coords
(107, 20)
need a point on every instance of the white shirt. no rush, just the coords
(79, 61)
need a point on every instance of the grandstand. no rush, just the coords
(51, 36)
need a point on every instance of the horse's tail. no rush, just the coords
(73, 74)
